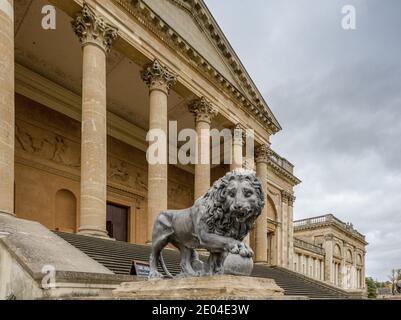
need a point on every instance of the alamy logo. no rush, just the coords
(49, 20)
(349, 20)
(194, 147)
(49, 278)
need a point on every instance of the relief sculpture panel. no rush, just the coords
(38, 144)
(127, 174)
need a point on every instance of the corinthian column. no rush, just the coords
(261, 224)
(204, 113)
(7, 107)
(96, 37)
(238, 143)
(159, 80)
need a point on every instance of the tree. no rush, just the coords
(372, 288)
(394, 277)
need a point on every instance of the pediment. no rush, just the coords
(190, 28)
(178, 14)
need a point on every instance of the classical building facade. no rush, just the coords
(330, 250)
(78, 100)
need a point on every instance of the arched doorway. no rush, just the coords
(272, 234)
(65, 211)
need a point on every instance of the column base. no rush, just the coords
(92, 232)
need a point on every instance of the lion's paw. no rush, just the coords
(155, 275)
(234, 248)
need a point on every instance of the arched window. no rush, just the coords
(349, 256)
(66, 211)
(359, 259)
(337, 251)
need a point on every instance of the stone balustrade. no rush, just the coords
(308, 246)
(280, 161)
(328, 219)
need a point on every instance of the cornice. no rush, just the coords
(283, 173)
(252, 103)
(331, 236)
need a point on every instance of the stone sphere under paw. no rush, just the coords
(238, 265)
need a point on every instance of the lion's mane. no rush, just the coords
(218, 218)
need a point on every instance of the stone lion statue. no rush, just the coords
(217, 222)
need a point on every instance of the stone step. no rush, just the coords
(118, 256)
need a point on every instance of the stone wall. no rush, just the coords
(47, 173)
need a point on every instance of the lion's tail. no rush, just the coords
(169, 275)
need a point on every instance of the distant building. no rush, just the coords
(327, 249)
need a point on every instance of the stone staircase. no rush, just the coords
(118, 256)
(295, 284)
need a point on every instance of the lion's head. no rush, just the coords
(233, 203)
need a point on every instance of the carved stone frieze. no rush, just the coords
(49, 146)
(118, 171)
(122, 172)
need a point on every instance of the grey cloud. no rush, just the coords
(337, 95)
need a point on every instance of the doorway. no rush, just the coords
(117, 222)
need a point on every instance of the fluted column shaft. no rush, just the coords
(7, 111)
(159, 80)
(204, 113)
(96, 37)
(261, 224)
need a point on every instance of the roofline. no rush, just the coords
(253, 102)
(240, 62)
(331, 221)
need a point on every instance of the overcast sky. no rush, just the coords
(337, 95)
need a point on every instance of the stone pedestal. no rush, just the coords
(224, 287)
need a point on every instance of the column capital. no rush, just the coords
(239, 134)
(203, 110)
(158, 77)
(262, 153)
(92, 28)
(287, 197)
